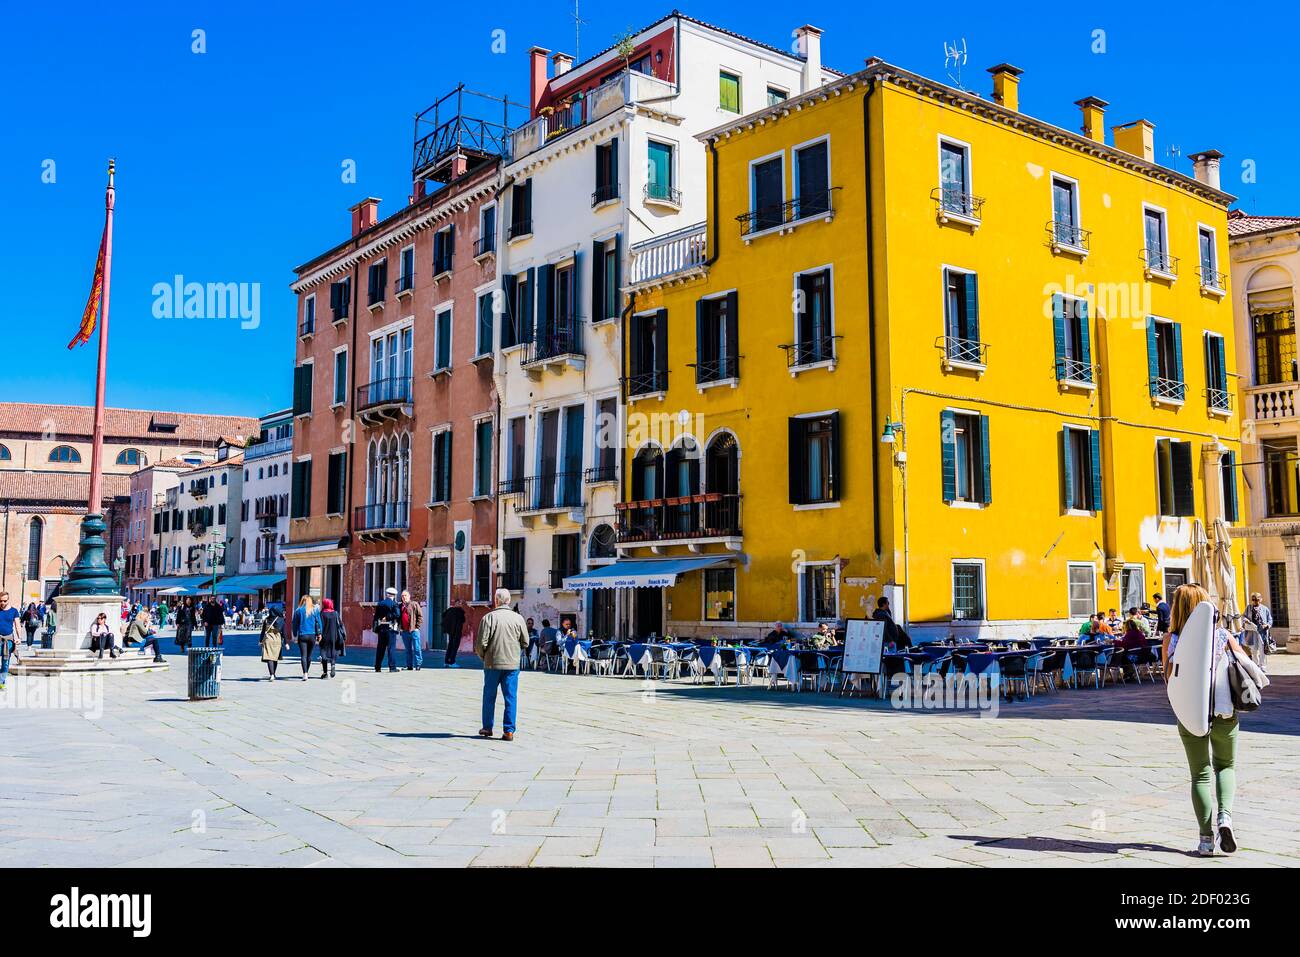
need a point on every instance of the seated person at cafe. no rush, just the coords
(822, 638)
(778, 636)
(1140, 622)
(1114, 621)
(894, 633)
(549, 637)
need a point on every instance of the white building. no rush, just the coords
(264, 508)
(619, 128)
(207, 500)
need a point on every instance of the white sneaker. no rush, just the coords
(1206, 847)
(1227, 842)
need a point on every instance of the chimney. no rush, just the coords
(1094, 117)
(536, 76)
(562, 63)
(809, 40)
(1137, 138)
(1006, 85)
(365, 214)
(1205, 167)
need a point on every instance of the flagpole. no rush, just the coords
(97, 446)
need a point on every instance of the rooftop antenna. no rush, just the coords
(1173, 151)
(577, 33)
(954, 58)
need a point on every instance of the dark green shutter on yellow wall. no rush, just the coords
(1228, 470)
(986, 481)
(948, 443)
(1094, 446)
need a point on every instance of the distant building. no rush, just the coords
(264, 512)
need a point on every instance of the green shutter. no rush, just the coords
(618, 273)
(699, 336)
(1058, 333)
(986, 482)
(525, 330)
(661, 345)
(545, 300)
(1067, 470)
(509, 286)
(598, 281)
(835, 467)
(948, 443)
(1178, 356)
(1228, 469)
(1184, 493)
(1094, 447)
(1153, 359)
(1085, 336)
(576, 293)
(1221, 355)
(971, 283)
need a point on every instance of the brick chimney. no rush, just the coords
(537, 77)
(1006, 85)
(810, 48)
(561, 63)
(365, 214)
(1094, 118)
(1137, 138)
(1205, 167)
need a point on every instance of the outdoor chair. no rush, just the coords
(1087, 662)
(1014, 671)
(889, 668)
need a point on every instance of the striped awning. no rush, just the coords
(642, 573)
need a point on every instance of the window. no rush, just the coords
(1277, 596)
(377, 282)
(1228, 486)
(818, 592)
(648, 353)
(965, 442)
(1065, 213)
(954, 178)
(442, 344)
(608, 440)
(340, 299)
(35, 538)
(308, 315)
(967, 591)
(1072, 339)
(812, 179)
(602, 617)
(440, 490)
(601, 544)
(719, 594)
(382, 574)
(1208, 256)
(301, 490)
(1165, 359)
(728, 92)
(659, 172)
(1216, 374)
(406, 272)
(482, 577)
(517, 293)
(814, 453)
(338, 480)
(5, 454)
(444, 245)
(1174, 478)
(813, 321)
(483, 457)
(1275, 353)
(606, 279)
(302, 389)
(1082, 590)
(767, 193)
(961, 317)
(1132, 586)
(515, 455)
(64, 453)
(341, 377)
(513, 577)
(642, 65)
(487, 231)
(221, 514)
(1157, 246)
(716, 346)
(521, 209)
(775, 95)
(485, 332)
(565, 557)
(606, 173)
(130, 457)
(1081, 469)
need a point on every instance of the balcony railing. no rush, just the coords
(1074, 370)
(605, 193)
(261, 450)
(563, 338)
(717, 370)
(647, 383)
(268, 564)
(405, 283)
(809, 351)
(485, 244)
(199, 489)
(620, 90)
(662, 193)
(680, 251)
(340, 312)
(969, 352)
(520, 226)
(1069, 236)
(376, 292)
(710, 515)
(1211, 278)
(556, 490)
(390, 391)
(1273, 402)
(955, 201)
(1168, 389)
(779, 215)
(1218, 400)
(601, 473)
(307, 328)
(1159, 261)
(383, 516)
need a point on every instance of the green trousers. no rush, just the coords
(1211, 760)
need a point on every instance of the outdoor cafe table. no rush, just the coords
(576, 650)
(719, 659)
(791, 663)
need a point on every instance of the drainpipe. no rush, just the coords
(871, 314)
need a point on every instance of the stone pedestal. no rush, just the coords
(76, 613)
(70, 648)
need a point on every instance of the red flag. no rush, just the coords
(91, 315)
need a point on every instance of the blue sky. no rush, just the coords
(229, 161)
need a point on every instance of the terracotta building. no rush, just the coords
(394, 400)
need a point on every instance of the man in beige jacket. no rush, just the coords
(501, 636)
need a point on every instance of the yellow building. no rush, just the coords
(1004, 405)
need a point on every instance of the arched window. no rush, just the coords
(243, 549)
(64, 453)
(601, 543)
(5, 456)
(682, 479)
(722, 465)
(132, 457)
(404, 463)
(35, 535)
(648, 474)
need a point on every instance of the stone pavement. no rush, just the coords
(385, 769)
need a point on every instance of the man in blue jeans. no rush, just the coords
(409, 622)
(501, 636)
(9, 636)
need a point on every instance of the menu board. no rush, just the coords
(863, 642)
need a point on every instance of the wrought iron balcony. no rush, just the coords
(265, 564)
(954, 201)
(554, 343)
(382, 517)
(199, 489)
(789, 213)
(376, 292)
(1069, 236)
(405, 283)
(718, 369)
(809, 351)
(1158, 262)
(307, 328)
(964, 352)
(605, 193)
(662, 193)
(558, 575)
(485, 244)
(384, 399)
(520, 226)
(1168, 390)
(547, 492)
(709, 515)
(601, 473)
(1211, 278)
(646, 383)
(1219, 400)
(1074, 370)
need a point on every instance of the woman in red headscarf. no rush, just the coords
(332, 638)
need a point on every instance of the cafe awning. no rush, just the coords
(642, 573)
(175, 581)
(247, 584)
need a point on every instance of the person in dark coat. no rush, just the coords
(384, 624)
(185, 623)
(333, 637)
(893, 631)
(453, 626)
(213, 620)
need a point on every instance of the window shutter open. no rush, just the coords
(986, 481)
(1153, 358)
(1178, 353)
(661, 342)
(835, 469)
(798, 459)
(971, 283)
(575, 294)
(699, 334)
(598, 281)
(1067, 469)
(545, 299)
(1221, 352)
(1184, 495)
(948, 443)
(509, 327)
(446, 466)
(618, 271)
(1094, 447)
(1085, 336)
(1058, 333)
(525, 329)
(449, 253)
(732, 350)
(1229, 471)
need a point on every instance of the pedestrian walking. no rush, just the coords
(101, 637)
(333, 638)
(163, 612)
(272, 643)
(51, 624)
(306, 629)
(185, 623)
(8, 636)
(409, 616)
(1162, 613)
(31, 622)
(453, 626)
(502, 635)
(214, 619)
(1261, 616)
(385, 622)
(141, 629)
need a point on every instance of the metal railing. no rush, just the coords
(1168, 389)
(601, 473)
(955, 201)
(1219, 400)
(662, 193)
(1211, 278)
(405, 283)
(199, 489)
(308, 328)
(806, 206)
(260, 450)
(382, 516)
(669, 254)
(520, 227)
(1074, 370)
(485, 244)
(1070, 235)
(647, 383)
(709, 515)
(604, 193)
(619, 90)
(510, 486)
(564, 338)
(375, 293)
(1158, 260)
(716, 370)
(268, 564)
(341, 310)
(808, 351)
(442, 264)
(538, 493)
(384, 392)
(957, 349)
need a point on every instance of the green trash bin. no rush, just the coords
(204, 673)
